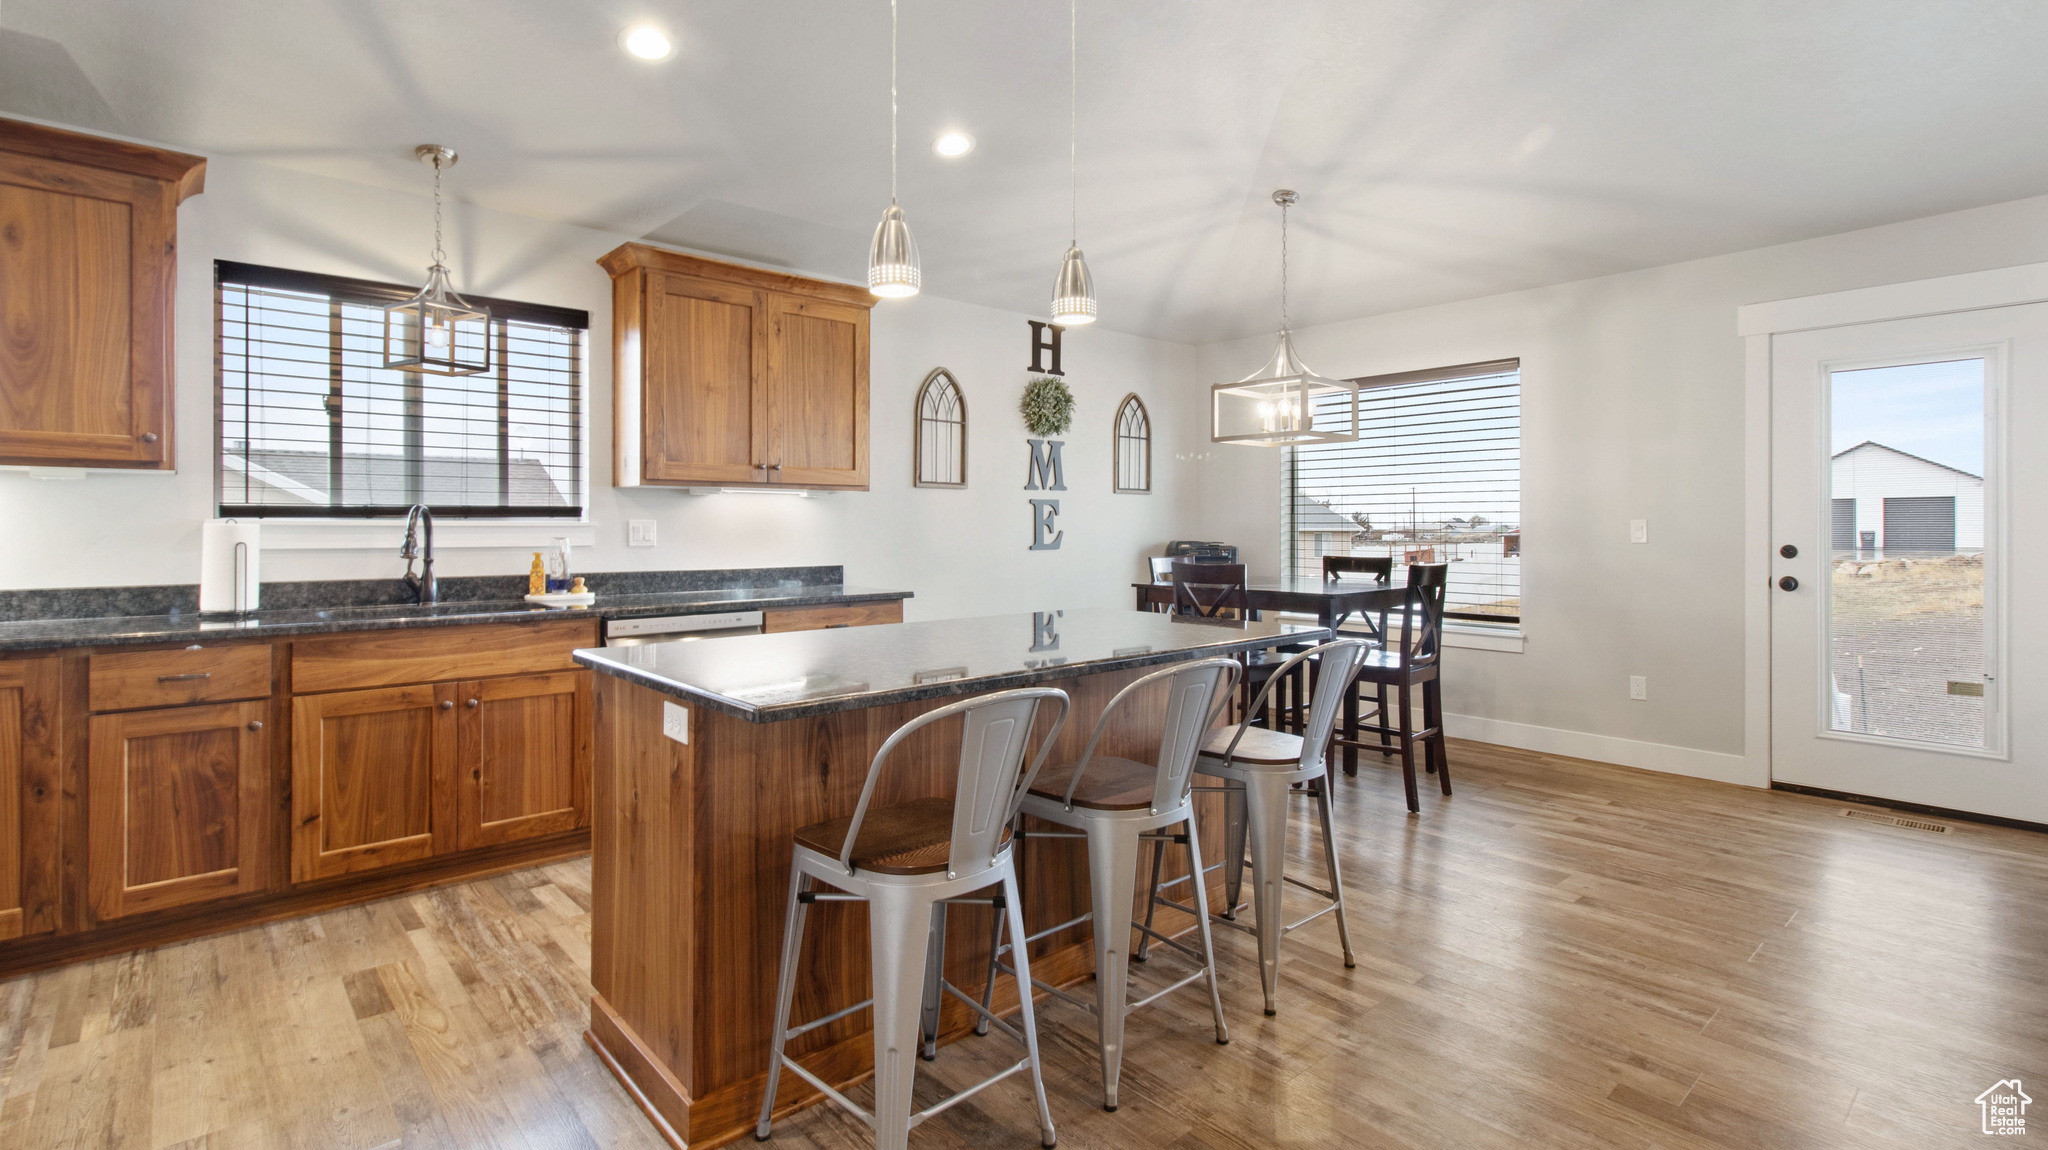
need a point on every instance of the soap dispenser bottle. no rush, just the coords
(537, 579)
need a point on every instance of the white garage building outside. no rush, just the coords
(1889, 501)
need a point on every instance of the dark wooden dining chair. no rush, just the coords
(1217, 591)
(1380, 567)
(1410, 661)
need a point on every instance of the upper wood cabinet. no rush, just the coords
(88, 262)
(733, 376)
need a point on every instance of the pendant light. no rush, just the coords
(1275, 405)
(1073, 294)
(437, 331)
(892, 259)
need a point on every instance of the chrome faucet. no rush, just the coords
(424, 590)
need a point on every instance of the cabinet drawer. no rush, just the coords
(131, 680)
(819, 618)
(392, 658)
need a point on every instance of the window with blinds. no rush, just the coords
(311, 424)
(1435, 476)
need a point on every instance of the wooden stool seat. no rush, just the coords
(1259, 747)
(908, 838)
(1109, 784)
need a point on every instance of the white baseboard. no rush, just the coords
(1715, 765)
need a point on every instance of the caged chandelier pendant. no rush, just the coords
(1275, 405)
(1073, 294)
(437, 331)
(893, 271)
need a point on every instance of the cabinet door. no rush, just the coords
(372, 779)
(816, 390)
(86, 270)
(28, 797)
(525, 757)
(701, 418)
(177, 805)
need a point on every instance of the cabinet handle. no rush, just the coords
(184, 678)
(255, 724)
(775, 467)
(472, 704)
(149, 437)
(447, 705)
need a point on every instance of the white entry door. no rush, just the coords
(1909, 510)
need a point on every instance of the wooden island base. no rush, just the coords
(690, 869)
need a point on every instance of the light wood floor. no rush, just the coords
(1565, 954)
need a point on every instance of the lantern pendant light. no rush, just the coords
(1073, 294)
(1275, 406)
(437, 331)
(893, 271)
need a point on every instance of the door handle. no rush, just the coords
(1789, 551)
(1788, 583)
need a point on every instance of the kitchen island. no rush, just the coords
(710, 755)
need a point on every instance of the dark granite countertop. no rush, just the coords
(798, 674)
(43, 634)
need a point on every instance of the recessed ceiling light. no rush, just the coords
(648, 43)
(953, 144)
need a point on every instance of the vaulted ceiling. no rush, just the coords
(1442, 150)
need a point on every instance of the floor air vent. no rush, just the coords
(1894, 821)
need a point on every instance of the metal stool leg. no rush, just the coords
(995, 950)
(1152, 902)
(785, 990)
(1112, 886)
(1266, 822)
(934, 970)
(1201, 886)
(899, 924)
(1233, 847)
(1021, 963)
(1330, 865)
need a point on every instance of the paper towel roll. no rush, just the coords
(229, 575)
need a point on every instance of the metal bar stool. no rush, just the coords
(907, 862)
(1115, 804)
(1261, 769)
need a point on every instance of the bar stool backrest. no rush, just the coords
(1337, 664)
(1380, 567)
(989, 788)
(1195, 694)
(1422, 621)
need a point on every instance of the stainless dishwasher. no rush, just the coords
(679, 628)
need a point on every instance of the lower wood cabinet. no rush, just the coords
(524, 752)
(372, 778)
(179, 800)
(28, 797)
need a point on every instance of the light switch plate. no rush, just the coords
(1638, 687)
(639, 532)
(675, 722)
(1638, 531)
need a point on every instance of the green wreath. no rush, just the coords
(1047, 406)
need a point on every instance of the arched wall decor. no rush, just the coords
(939, 434)
(1132, 471)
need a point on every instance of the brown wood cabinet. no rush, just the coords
(523, 749)
(823, 618)
(179, 806)
(29, 795)
(372, 778)
(733, 376)
(88, 260)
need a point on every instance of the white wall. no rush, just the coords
(962, 552)
(1632, 406)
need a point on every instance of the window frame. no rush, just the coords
(1117, 441)
(374, 293)
(1292, 495)
(917, 422)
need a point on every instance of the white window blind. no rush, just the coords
(311, 424)
(1434, 476)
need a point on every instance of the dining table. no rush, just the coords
(1332, 601)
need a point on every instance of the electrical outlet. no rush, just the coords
(1638, 687)
(1638, 531)
(675, 722)
(639, 532)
